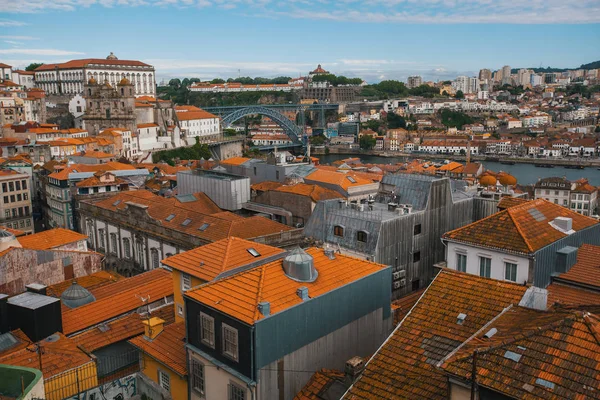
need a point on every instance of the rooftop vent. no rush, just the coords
(329, 253)
(511, 355)
(116, 203)
(392, 206)
(264, 307)
(75, 296)
(36, 288)
(490, 333)
(299, 266)
(302, 292)
(461, 318)
(563, 224)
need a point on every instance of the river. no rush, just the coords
(525, 173)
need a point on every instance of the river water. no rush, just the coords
(525, 173)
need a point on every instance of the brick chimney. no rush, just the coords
(153, 327)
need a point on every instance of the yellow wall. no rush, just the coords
(179, 388)
(177, 295)
(69, 383)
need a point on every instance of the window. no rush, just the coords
(19, 197)
(101, 238)
(18, 185)
(186, 282)
(126, 248)
(5, 199)
(236, 392)
(485, 267)
(361, 236)
(338, 231)
(417, 229)
(11, 186)
(12, 198)
(277, 175)
(180, 310)
(164, 380)
(510, 272)
(565, 202)
(26, 210)
(113, 243)
(155, 258)
(230, 342)
(197, 376)
(207, 330)
(4, 188)
(461, 262)
(416, 256)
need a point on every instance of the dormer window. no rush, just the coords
(362, 236)
(338, 230)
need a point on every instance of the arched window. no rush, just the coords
(127, 247)
(338, 230)
(155, 258)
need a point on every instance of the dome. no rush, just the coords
(7, 240)
(299, 266)
(76, 296)
(487, 180)
(507, 180)
(92, 81)
(111, 56)
(124, 81)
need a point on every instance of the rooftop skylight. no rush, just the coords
(253, 251)
(170, 217)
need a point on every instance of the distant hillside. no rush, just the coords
(592, 65)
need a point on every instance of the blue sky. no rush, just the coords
(372, 39)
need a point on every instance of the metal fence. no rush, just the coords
(74, 383)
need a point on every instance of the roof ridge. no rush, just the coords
(474, 222)
(508, 210)
(596, 335)
(230, 240)
(260, 287)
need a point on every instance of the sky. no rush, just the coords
(371, 39)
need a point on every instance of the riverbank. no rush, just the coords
(591, 163)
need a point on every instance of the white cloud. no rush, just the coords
(9, 23)
(10, 37)
(360, 11)
(12, 42)
(40, 52)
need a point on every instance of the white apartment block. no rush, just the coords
(195, 122)
(68, 78)
(555, 190)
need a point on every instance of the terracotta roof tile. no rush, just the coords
(50, 239)
(509, 201)
(586, 270)
(201, 212)
(117, 299)
(94, 181)
(168, 347)
(318, 384)
(89, 282)
(404, 366)
(337, 178)
(523, 228)
(209, 261)
(265, 186)
(235, 160)
(315, 192)
(86, 61)
(570, 295)
(239, 295)
(58, 356)
(561, 348)
(402, 306)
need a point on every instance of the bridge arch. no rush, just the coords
(289, 127)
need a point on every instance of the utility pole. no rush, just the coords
(474, 377)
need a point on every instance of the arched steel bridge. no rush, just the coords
(229, 115)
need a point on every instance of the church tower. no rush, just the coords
(109, 107)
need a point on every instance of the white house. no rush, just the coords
(195, 122)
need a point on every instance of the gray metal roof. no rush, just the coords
(119, 173)
(410, 189)
(32, 301)
(7, 340)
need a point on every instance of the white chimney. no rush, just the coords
(535, 298)
(563, 224)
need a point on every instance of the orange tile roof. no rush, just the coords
(404, 366)
(561, 348)
(318, 384)
(117, 299)
(204, 211)
(265, 186)
(168, 347)
(451, 166)
(94, 181)
(95, 154)
(147, 126)
(22, 342)
(235, 160)
(50, 239)
(90, 282)
(209, 261)
(516, 229)
(315, 192)
(120, 329)
(86, 61)
(238, 295)
(186, 113)
(571, 295)
(337, 178)
(58, 356)
(402, 306)
(509, 201)
(108, 166)
(586, 270)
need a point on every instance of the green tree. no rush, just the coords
(392, 87)
(33, 66)
(444, 93)
(317, 140)
(175, 83)
(372, 124)
(367, 142)
(229, 132)
(459, 94)
(597, 129)
(455, 119)
(217, 80)
(395, 121)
